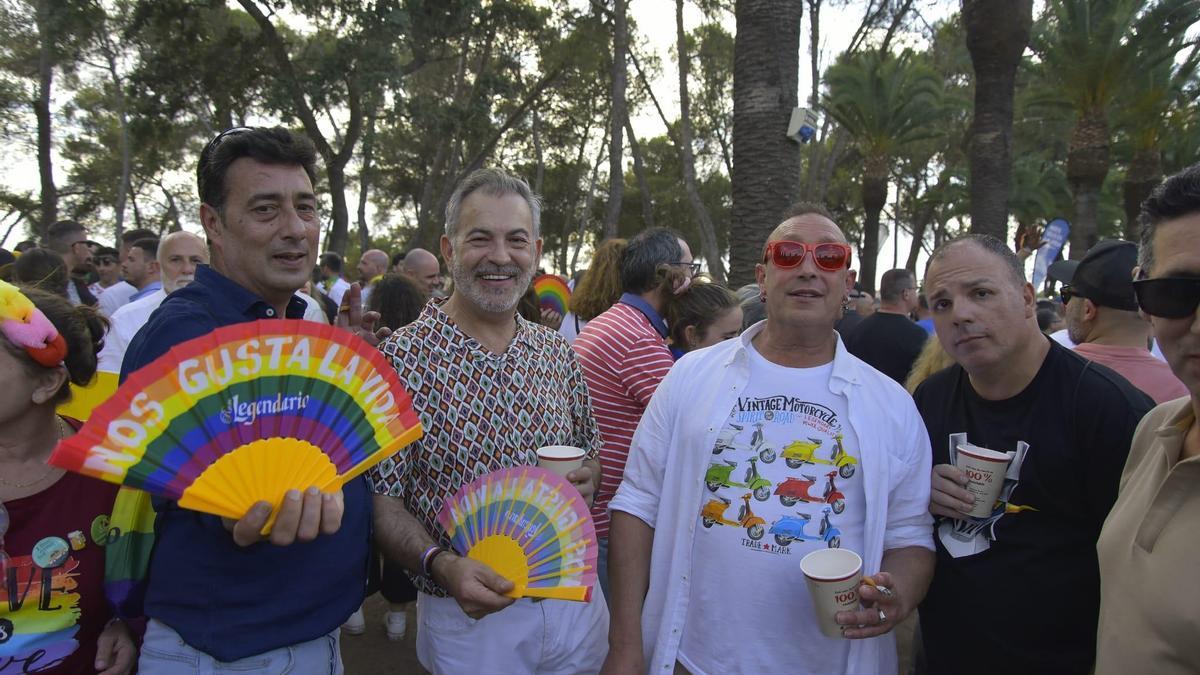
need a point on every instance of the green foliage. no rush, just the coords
(885, 101)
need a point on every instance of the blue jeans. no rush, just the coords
(602, 566)
(165, 653)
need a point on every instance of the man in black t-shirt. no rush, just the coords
(1018, 591)
(888, 340)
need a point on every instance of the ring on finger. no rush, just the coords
(882, 617)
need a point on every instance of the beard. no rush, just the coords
(468, 283)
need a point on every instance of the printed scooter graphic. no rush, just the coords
(725, 439)
(795, 490)
(760, 446)
(792, 528)
(714, 512)
(797, 453)
(719, 475)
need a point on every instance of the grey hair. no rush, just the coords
(1175, 197)
(990, 245)
(642, 256)
(496, 183)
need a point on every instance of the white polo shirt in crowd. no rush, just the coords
(665, 482)
(115, 297)
(125, 322)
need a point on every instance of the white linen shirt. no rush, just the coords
(664, 479)
(123, 325)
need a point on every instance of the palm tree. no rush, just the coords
(884, 101)
(766, 164)
(1090, 52)
(1145, 118)
(997, 33)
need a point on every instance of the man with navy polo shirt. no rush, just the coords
(219, 596)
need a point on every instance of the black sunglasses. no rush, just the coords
(1066, 294)
(1169, 297)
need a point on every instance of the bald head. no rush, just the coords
(179, 254)
(422, 267)
(371, 264)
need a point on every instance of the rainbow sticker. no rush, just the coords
(553, 293)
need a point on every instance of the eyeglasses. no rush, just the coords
(206, 154)
(1067, 294)
(212, 145)
(829, 256)
(1169, 297)
(693, 267)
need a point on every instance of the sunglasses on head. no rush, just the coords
(1169, 297)
(829, 256)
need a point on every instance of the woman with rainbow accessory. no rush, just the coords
(55, 530)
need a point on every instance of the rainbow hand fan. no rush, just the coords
(553, 293)
(246, 413)
(529, 525)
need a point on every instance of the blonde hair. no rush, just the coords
(600, 287)
(932, 359)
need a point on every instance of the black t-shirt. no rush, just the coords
(890, 343)
(1028, 603)
(846, 325)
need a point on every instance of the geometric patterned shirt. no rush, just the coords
(481, 411)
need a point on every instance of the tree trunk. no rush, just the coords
(583, 210)
(1087, 167)
(616, 146)
(335, 160)
(41, 110)
(766, 164)
(1145, 172)
(364, 182)
(539, 175)
(427, 219)
(639, 171)
(874, 196)
(997, 33)
(708, 233)
(922, 216)
(123, 121)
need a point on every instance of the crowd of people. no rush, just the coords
(726, 433)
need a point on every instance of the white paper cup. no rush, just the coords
(561, 459)
(985, 471)
(833, 576)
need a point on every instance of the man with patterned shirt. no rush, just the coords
(490, 389)
(624, 356)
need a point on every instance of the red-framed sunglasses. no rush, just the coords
(829, 256)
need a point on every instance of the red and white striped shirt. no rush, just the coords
(624, 359)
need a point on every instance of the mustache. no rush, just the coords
(486, 268)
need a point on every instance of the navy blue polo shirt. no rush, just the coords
(225, 600)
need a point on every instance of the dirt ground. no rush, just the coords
(372, 653)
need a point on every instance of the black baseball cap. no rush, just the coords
(1104, 276)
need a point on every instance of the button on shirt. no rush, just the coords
(1149, 554)
(481, 411)
(664, 481)
(225, 600)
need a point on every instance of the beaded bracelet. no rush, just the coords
(427, 559)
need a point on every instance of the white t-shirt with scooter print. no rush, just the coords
(783, 480)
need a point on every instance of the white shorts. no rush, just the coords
(550, 637)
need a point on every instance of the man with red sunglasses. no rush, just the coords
(1149, 545)
(752, 454)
